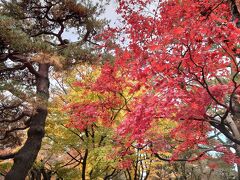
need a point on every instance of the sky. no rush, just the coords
(109, 14)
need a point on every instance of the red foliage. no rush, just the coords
(183, 53)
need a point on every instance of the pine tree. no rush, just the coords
(32, 45)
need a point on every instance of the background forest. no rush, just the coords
(134, 90)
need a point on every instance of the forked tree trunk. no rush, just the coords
(26, 156)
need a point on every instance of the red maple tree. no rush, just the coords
(185, 55)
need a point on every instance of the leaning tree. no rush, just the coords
(33, 44)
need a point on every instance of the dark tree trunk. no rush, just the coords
(26, 156)
(84, 165)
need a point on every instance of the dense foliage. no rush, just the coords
(33, 44)
(162, 96)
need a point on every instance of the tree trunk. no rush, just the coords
(235, 10)
(84, 165)
(236, 134)
(26, 156)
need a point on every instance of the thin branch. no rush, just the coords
(186, 160)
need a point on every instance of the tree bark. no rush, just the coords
(236, 134)
(26, 156)
(84, 165)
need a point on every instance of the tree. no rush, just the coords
(186, 54)
(83, 149)
(95, 110)
(181, 55)
(185, 60)
(138, 149)
(33, 45)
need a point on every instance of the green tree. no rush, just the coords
(33, 44)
